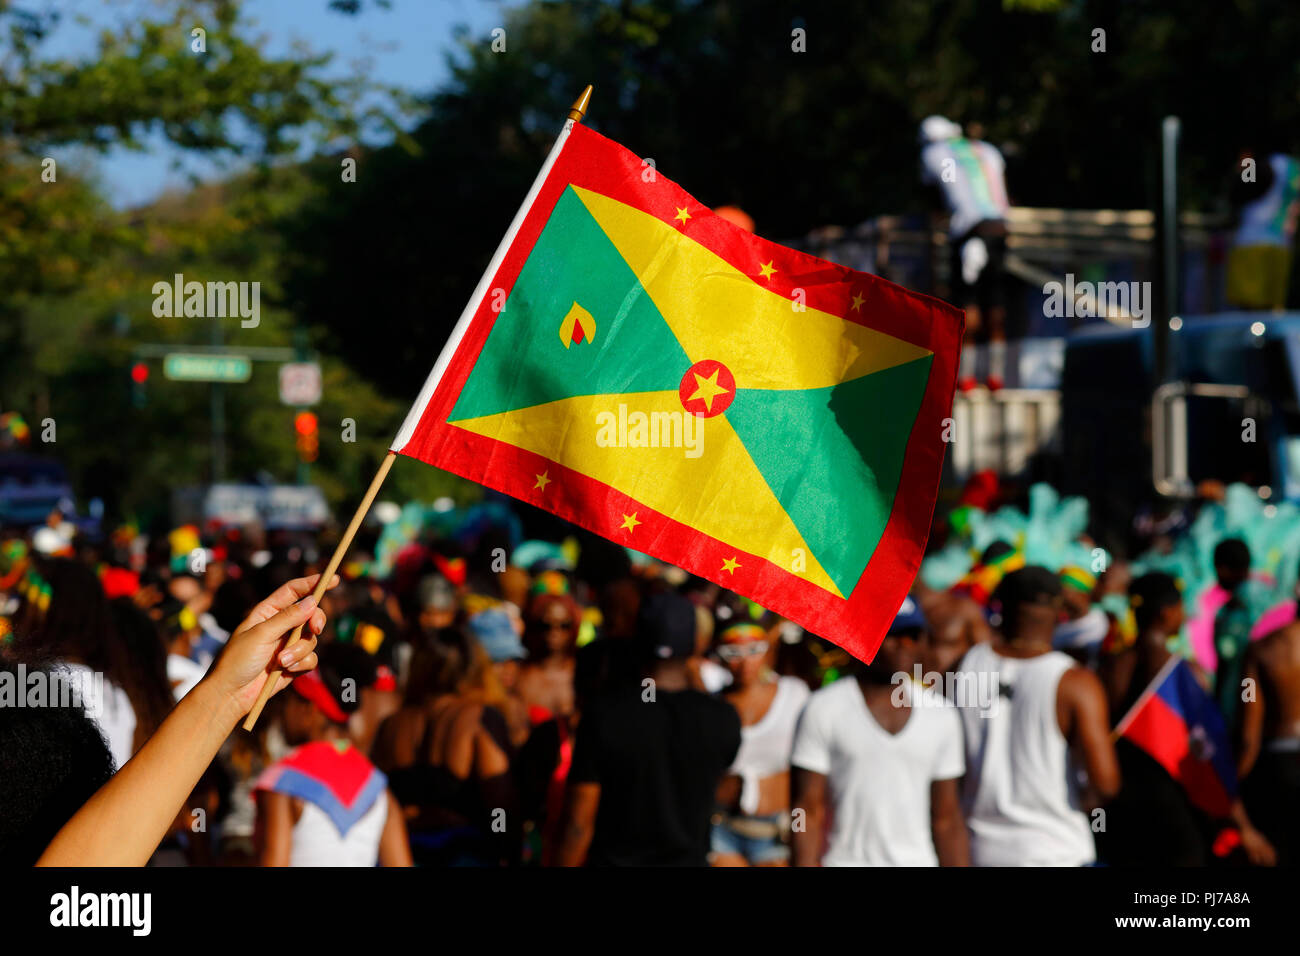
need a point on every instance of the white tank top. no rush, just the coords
(1021, 792)
(766, 745)
(317, 841)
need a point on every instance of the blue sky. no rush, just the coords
(404, 46)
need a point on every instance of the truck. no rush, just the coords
(1085, 407)
(31, 487)
(1227, 411)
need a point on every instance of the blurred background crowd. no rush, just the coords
(1132, 466)
(515, 691)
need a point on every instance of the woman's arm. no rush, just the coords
(123, 823)
(947, 825)
(1258, 850)
(275, 823)
(394, 846)
(810, 795)
(579, 827)
(1250, 717)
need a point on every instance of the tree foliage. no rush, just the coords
(78, 275)
(716, 94)
(804, 115)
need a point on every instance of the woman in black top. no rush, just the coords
(447, 754)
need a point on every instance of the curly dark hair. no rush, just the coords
(52, 760)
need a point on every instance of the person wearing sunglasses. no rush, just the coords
(752, 824)
(550, 635)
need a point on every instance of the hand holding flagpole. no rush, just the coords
(323, 584)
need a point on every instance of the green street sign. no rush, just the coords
(185, 367)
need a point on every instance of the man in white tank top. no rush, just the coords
(1023, 798)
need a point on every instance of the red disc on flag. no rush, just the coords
(707, 388)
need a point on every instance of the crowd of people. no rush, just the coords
(459, 708)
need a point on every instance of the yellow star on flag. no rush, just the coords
(630, 522)
(730, 564)
(707, 389)
(682, 214)
(857, 302)
(542, 480)
(765, 270)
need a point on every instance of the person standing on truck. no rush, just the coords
(1267, 190)
(970, 174)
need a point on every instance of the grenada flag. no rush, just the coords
(645, 369)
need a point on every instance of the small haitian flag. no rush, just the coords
(649, 371)
(1179, 725)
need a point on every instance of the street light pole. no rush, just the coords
(218, 418)
(300, 355)
(1168, 259)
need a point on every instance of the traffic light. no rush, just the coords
(304, 423)
(139, 375)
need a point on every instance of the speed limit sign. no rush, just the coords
(300, 383)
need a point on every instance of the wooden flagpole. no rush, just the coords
(335, 560)
(576, 114)
(1146, 695)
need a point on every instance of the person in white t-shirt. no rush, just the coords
(883, 757)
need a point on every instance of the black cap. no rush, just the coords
(665, 626)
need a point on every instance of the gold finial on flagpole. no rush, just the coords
(579, 108)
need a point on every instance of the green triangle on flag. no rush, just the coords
(833, 457)
(525, 361)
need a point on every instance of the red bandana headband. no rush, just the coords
(310, 687)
